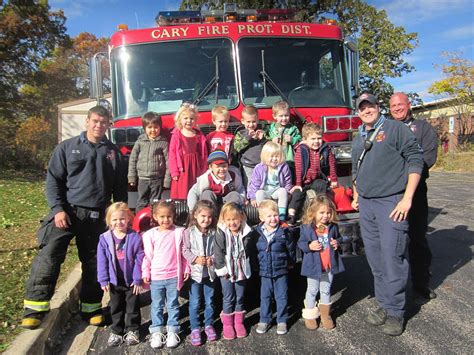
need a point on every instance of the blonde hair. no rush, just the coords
(219, 110)
(267, 205)
(280, 106)
(250, 110)
(234, 209)
(270, 148)
(118, 207)
(190, 109)
(310, 128)
(310, 215)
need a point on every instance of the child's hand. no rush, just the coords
(287, 138)
(294, 188)
(276, 140)
(260, 134)
(131, 183)
(175, 178)
(334, 244)
(105, 288)
(186, 276)
(333, 184)
(252, 134)
(315, 246)
(355, 204)
(254, 203)
(200, 260)
(146, 280)
(209, 261)
(136, 289)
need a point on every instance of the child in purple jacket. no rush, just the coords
(119, 264)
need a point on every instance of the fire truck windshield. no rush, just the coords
(161, 76)
(310, 72)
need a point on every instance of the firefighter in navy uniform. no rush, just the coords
(84, 173)
(387, 164)
(418, 248)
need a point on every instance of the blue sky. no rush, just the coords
(442, 25)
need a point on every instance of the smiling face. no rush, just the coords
(164, 217)
(249, 121)
(187, 120)
(369, 113)
(119, 221)
(313, 141)
(96, 126)
(233, 221)
(282, 117)
(152, 130)
(323, 215)
(221, 122)
(219, 170)
(399, 106)
(273, 160)
(269, 217)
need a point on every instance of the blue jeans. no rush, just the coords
(196, 291)
(274, 287)
(232, 296)
(161, 291)
(321, 285)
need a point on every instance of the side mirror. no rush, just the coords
(95, 77)
(351, 52)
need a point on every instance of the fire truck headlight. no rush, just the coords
(342, 152)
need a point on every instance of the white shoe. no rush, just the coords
(172, 340)
(157, 340)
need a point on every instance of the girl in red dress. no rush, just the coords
(187, 152)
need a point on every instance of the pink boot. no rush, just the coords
(228, 331)
(239, 324)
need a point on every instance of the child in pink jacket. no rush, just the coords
(166, 269)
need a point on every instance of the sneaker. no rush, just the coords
(282, 328)
(114, 340)
(393, 326)
(377, 317)
(210, 333)
(196, 337)
(311, 194)
(157, 340)
(262, 328)
(172, 340)
(132, 337)
(33, 320)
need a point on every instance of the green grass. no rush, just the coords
(22, 205)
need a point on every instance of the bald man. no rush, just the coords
(419, 251)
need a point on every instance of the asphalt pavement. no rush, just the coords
(441, 326)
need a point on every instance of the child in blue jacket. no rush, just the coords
(119, 264)
(276, 254)
(319, 236)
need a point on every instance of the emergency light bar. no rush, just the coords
(165, 18)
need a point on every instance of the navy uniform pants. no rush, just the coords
(419, 250)
(86, 226)
(385, 243)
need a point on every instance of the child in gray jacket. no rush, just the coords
(198, 250)
(148, 164)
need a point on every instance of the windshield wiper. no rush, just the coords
(213, 83)
(266, 79)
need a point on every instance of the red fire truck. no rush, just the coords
(234, 58)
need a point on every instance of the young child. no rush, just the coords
(220, 138)
(314, 161)
(166, 268)
(282, 131)
(319, 242)
(148, 164)
(198, 249)
(119, 263)
(188, 152)
(248, 142)
(271, 179)
(221, 183)
(232, 263)
(276, 254)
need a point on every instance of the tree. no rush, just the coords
(29, 33)
(458, 87)
(383, 46)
